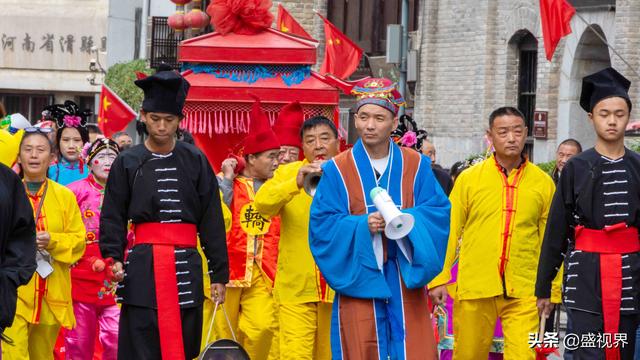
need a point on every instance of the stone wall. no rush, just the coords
(304, 12)
(469, 66)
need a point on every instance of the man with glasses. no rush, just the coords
(287, 127)
(301, 292)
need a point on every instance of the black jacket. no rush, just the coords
(17, 243)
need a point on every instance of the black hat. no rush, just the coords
(601, 85)
(164, 92)
(407, 133)
(69, 115)
(91, 150)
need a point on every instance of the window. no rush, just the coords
(164, 44)
(29, 105)
(593, 4)
(527, 74)
(88, 103)
(365, 21)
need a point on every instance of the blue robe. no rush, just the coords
(342, 247)
(65, 172)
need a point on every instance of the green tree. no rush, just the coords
(548, 166)
(120, 78)
(635, 145)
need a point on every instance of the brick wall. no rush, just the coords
(627, 43)
(303, 12)
(469, 66)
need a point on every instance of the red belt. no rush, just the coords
(610, 243)
(164, 238)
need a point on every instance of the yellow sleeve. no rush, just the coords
(68, 246)
(459, 209)
(556, 287)
(226, 214)
(277, 191)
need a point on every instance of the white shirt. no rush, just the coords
(380, 165)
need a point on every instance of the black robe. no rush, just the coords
(179, 187)
(593, 192)
(17, 243)
(444, 179)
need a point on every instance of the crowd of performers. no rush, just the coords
(117, 251)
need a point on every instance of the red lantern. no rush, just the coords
(196, 19)
(176, 21)
(180, 2)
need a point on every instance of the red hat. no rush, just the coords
(288, 125)
(261, 137)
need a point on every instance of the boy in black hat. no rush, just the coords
(593, 226)
(168, 191)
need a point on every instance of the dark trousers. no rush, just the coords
(139, 339)
(550, 323)
(584, 322)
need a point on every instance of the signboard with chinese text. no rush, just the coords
(540, 124)
(50, 43)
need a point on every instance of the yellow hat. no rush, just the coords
(9, 147)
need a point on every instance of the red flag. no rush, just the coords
(114, 114)
(288, 24)
(555, 16)
(341, 55)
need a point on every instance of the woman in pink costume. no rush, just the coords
(94, 304)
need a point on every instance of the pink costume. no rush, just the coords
(93, 304)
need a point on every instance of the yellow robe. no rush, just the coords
(208, 305)
(62, 219)
(298, 277)
(303, 298)
(478, 220)
(226, 214)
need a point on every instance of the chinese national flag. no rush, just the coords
(114, 114)
(555, 16)
(288, 24)
(341, 55)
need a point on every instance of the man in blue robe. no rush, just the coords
(380, 310)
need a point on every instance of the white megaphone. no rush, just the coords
(398, 223)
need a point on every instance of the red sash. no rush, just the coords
(610, 243)
(164, 238)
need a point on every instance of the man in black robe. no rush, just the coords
(17, 243)
(593, 226)
(168, 191)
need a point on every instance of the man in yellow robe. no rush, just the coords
(499, 211)
(301, 293)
